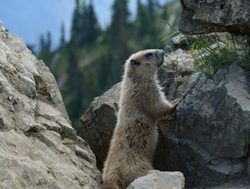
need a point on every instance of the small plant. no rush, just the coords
(211, 53)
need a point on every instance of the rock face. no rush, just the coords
(213, 121)
(38, 146)
(216, 113)
(159, 180)
(201, 16)
(207, 139)
(248, 170)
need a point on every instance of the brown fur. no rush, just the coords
(109, 186)
(135, 137)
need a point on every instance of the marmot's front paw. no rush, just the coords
(174, 104)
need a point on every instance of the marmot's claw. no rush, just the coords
(175, 104)
(176, 101)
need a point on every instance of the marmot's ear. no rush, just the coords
(134, 62)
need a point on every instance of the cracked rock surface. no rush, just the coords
(38, 146)
(205, 16)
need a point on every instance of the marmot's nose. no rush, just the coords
(160, 56)
(160, 53)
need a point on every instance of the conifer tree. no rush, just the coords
(153, 19)
(45, 51)
(92, 26)
(142, 25)
(152, 4)
(42, 45)
(142, 18)
(117, 38)
(83, 20)
(48, 42)
(74, 86)
(62, 38)
(119, 24)
(85, 28)
(45, 45)
(76, 25)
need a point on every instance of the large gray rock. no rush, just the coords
(216, 113)
(201, 16)
(38, 146)
(159, 180)
(213, 123)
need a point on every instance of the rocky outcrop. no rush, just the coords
(208, 137)
(38, 146)
(201, 16)
(216, 113)
(159, 180)
(213, 121)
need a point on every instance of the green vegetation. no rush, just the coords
(212, 53)
(92, 60)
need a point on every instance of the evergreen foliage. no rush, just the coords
(62, 38)
(76, 25)
(85, 27)
(212, 53)
(74, 87)
(117, 39)
(92, 60)
(42, 49)
(92, 28)
(45, 52)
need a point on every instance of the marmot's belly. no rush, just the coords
(136, 137)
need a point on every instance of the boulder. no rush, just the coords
(199, 16)
(213, 123)
(216, 113)
(38, 146)
(159, 180)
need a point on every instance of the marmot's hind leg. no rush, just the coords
(109, 186)
(113, 181)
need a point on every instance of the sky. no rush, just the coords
(29, 19)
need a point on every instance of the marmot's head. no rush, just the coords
(144, 64)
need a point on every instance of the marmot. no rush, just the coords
(135, 136)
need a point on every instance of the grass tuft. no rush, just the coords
(212, 53)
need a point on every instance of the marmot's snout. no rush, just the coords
(160, 56)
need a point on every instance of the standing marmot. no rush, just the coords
(135, 136)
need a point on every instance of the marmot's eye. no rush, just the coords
(148, 55)
(134, 62)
